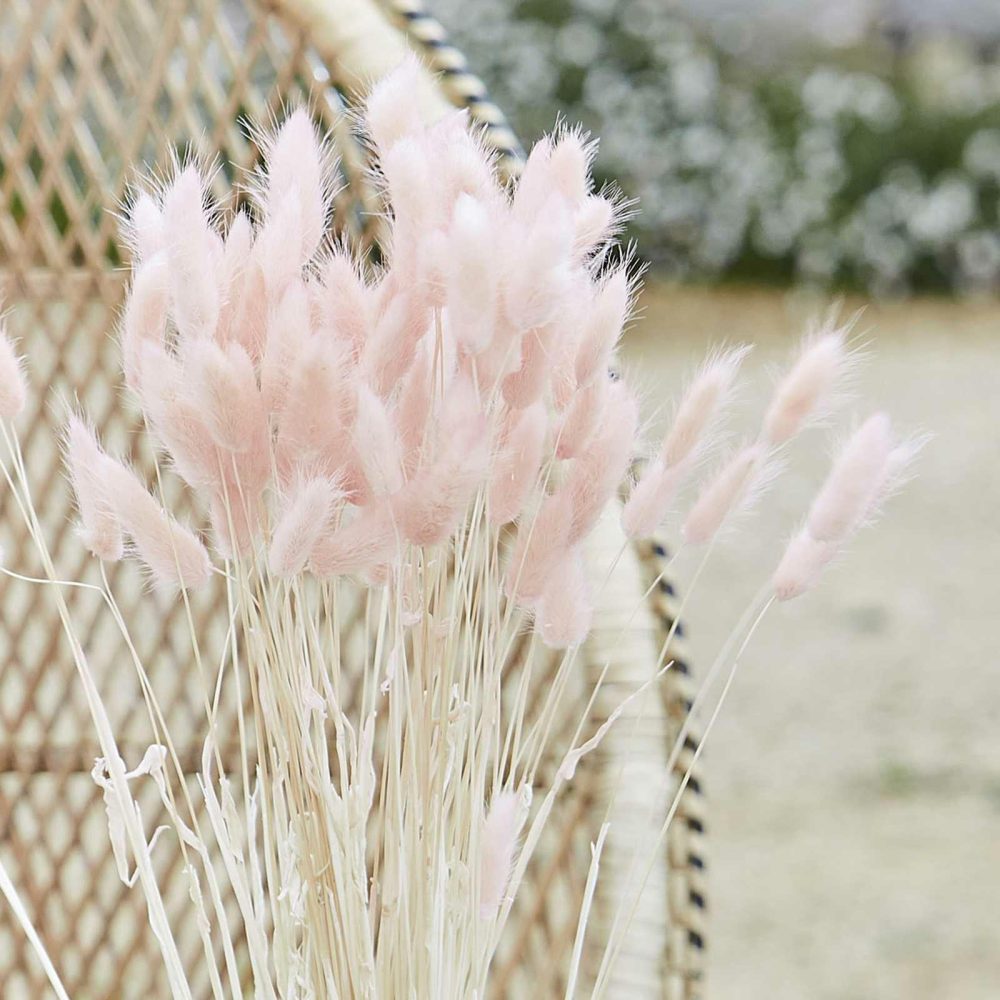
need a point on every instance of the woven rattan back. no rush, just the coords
(87, 88)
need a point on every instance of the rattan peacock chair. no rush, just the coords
(87, 88)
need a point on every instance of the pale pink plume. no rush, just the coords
(190, 244)
(360, 545)
(277, 252)
(807, 390)
(296, 168)
(468, 167)
(582, 419)
(172, 553)
(854, 481)
(236, 255)
(390, 350)
(517, 464)
(222, 384)
(288, 330)
(13, 388)
(537, 276)
(413, 406)
(145, 319)
(99, 529)
(430, 507)
(534, 186)
(594, 222)
(472, 287)
(177, 423)
(413, 194)
(609, 310)
(539, 544)
(527, 385)
(801, 566)
(345, 301)
(497, 847)
(564, 612)
(650, 500)
(313, 426)
(144, 230)
(377, 444)
(732, 489)
(569, 166)
(304, 520)
(700, 407)
(393, 109)
(594, 478)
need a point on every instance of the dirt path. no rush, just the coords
(855, 774)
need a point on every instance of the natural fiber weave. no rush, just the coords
(88, 87)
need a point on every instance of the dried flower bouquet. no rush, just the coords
(441, 431)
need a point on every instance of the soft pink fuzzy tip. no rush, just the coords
(855, 480)
(807, 389)
(650, 501)
(800, 568)
(100, 529)
(564, 611)
(13, 388)
(727, 492)
(304, 520)
(497, 845)
(700, 406)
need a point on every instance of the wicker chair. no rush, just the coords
(88, 87)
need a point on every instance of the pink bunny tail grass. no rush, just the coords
(392, 110)
(364, 544)
(176, 421)
(277, 251)
(430, 507)
(569, 165)
(595, 476)
(313, 426)
(538, 546)
(802, 565)
(99, 528)
(854, 482)
(13, 387)
(394, 338)
(527, 384)
(732, 489)
(296, 168)
(497, 847)
(610, 309)
(223, 388)
(471, 278)
(516, 466)
(564, 612)
(194, 293)
(288, 328)
(345, 301)
(700, 406)
(808, 389)
(236, 283)
(594, 223)
(650, 500)
(143, 229)
(304, 520)
(537, 279)
(582, 419)
(377, 444)
(172, 553)
(145, 318)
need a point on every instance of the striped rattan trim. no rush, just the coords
(462, 87)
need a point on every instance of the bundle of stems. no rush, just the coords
(433, 440)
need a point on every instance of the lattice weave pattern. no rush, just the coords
(88, 87)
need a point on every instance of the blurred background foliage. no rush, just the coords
(852, 145)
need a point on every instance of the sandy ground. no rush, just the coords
(855, 773)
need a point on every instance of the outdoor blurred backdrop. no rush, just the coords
(786, 154)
